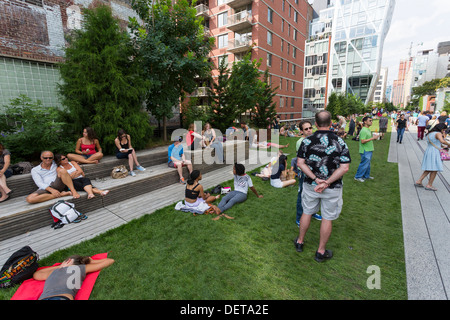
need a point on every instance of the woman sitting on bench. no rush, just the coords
(80, 182)
(88, 148)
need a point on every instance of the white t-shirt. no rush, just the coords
(242, 183)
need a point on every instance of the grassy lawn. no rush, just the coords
(173, 255)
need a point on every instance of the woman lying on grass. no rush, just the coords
(59, 280)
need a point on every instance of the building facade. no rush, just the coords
(317, 47)
(358, 34)
(380, 90)
(400, 86)
(32, 39)
(273, 30)
(344, 49)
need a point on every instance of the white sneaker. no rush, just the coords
(140, 168)
(359, 179)
(132, 174)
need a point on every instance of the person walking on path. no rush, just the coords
(383, 123)
(401, 126)
(366, 149)
(431, 162)
(324, 159)
(422, 121)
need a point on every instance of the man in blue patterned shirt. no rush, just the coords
(324, 158)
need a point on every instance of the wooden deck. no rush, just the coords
(46, 240)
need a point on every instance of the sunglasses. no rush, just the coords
(63, 159)
(47, 158)
(309, 128)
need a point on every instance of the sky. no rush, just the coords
(425, 22)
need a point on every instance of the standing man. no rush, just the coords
(324, 159)
(365, 150)
(422, 121)
(306, 129)
(401, 126)
(383, 123)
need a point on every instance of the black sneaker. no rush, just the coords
(298, 246)
(328, 254)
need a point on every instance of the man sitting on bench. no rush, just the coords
(177, 159)
(52, 184)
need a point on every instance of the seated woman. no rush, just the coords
(210, 140)
(341, 133)
(196, 200)
(58, 277)
(280, 169)
(124, 150)
(80, 182)
(5, 172)
(242, 182)
(88, 148)
(192, 137)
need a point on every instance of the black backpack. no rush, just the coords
(19, 267)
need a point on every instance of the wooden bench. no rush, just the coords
(19, 217)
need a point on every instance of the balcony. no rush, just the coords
(202, 10)
(240, 45)
(200, 92)
(239, 21)
(237, 3)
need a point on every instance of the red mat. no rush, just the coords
(32, 289)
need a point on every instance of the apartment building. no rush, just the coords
(400, 86)
(273, 30)
(380, 90)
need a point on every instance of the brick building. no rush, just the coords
(274, 30)
(32, 38)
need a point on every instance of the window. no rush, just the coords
(223, 41)
(224, 59)
(222, 19)
(296, 16)
(293, 69)
(292, 104)
(270, 15)
(269, 59)
(293, 86)
(269, 38)
(295, 34)
(281, 65)
(294, 52)
(283, 5)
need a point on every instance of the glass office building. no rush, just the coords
(358, 33)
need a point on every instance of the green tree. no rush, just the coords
(28, 128)
(223, 111)
(244, 84)
(102, 86)
(174, 52)
(265, 109)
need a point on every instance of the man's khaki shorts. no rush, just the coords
(329, 201)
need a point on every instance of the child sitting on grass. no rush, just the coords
(242, 182)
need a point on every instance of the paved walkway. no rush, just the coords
(426, 221)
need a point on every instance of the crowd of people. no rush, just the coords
(59, 175)
(322, 159)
